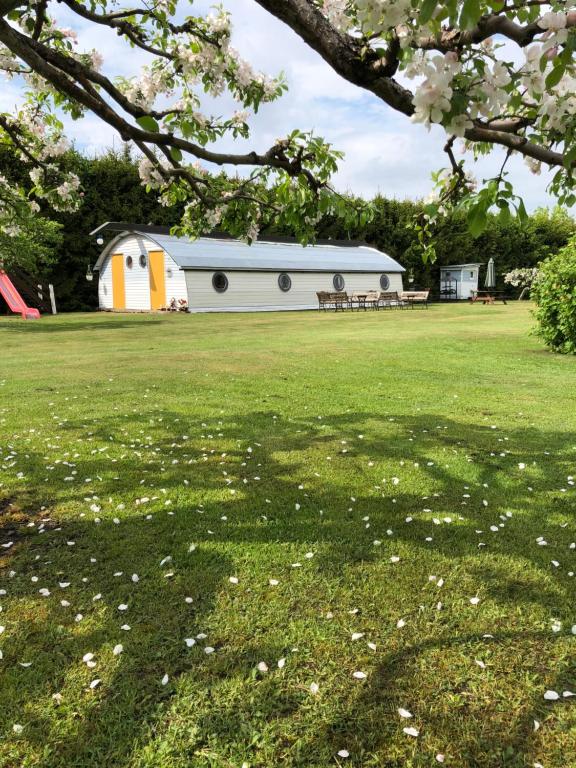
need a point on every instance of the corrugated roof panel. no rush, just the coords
(208, 253)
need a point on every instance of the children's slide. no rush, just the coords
(15, 302)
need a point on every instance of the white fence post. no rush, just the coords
(52, 298)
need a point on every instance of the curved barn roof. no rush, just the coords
(226, 254)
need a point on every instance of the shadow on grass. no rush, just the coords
(91, 322)
(96, 562)
(131, 683)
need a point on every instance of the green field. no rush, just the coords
(375, 484)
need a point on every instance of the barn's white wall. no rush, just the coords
(259, 290)
(175, 280)
(137, 278)
(105, 285)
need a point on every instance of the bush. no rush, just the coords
(555, 295)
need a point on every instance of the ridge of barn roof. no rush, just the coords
(225, 253)
(157, 229)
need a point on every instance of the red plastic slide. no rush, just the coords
(15, 302)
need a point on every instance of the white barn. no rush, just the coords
(144, 267)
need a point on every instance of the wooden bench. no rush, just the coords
(390, 299)
(336, 301)
(415, 297)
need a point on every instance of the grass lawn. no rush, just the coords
(275, 531)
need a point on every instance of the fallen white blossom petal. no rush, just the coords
(551, 696)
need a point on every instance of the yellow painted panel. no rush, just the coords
(157, 279)
(118, 282)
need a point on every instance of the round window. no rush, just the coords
(129, 262)
(338, 282)
(219, 282)
(384, 282)
(143, 260)
(284, 282)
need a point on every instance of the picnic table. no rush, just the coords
(489, 296)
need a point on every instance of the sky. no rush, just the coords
(384, 152)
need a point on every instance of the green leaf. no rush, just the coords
(522, 212)
(504, 215)
(470, 13)
(477, 220)
(148, 123)
(428, 8)
(554, 77)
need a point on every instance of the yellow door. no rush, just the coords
(157, 280)
(118, 284)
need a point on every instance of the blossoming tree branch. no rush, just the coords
(493, 73)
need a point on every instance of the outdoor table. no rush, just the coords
(488, 296)
(360, 299)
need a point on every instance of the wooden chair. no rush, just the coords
(340, 300)
(372, 299)
(323, 300)
(390, 299)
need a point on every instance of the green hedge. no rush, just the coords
(555, 297)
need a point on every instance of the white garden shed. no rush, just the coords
(144, 267)
(459, 281)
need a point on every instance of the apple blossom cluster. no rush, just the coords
(433, 96)
(143, 91)
(9, 64)
(200, 60)
(16, 207)
(63, 194)
(476, 82)
(371, 17)
(219, 66)
(150, 174)
(522, 277)
(38, 143)
(336, 12)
